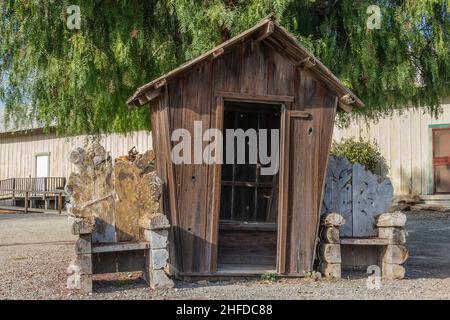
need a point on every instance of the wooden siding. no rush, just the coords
(192, 189)
(309, 142)
(405, 142)
(18, 151)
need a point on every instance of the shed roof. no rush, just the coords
(273, 34)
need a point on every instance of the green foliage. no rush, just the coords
(80, 80)
(269, 276)
(359, 151)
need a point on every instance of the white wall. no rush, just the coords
(18, 151)
(405, 142)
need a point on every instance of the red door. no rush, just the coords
(441, 160)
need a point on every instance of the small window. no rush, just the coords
(42, 165)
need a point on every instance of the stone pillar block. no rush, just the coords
(394, 254)
(79, 226)
(330, 235)
(329, 250)
(330, 270)
(82, 282)
(157, 238)
(395, 235)
(158, 258)
(392, 271)
(83, 244)
(391, 219)
(391, 226)
(82, 263)
(330, 253)
(332, 220)
(159, 280)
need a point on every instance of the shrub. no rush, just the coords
(269, 276)
(362, 151)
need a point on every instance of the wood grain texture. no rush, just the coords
(258, 73)
(357, 194)
(18, 151)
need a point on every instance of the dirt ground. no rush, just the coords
(35, 250)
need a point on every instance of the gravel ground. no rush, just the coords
(35, 250)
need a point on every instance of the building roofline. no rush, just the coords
(273, 34)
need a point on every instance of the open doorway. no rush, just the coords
(249, 199)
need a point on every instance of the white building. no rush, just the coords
(416, 147)
(32, 153)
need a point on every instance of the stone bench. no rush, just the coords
(115, 212)
(387, 250)
(97, 258)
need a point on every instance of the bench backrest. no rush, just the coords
(357, 194)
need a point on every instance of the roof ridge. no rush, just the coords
(292, 47)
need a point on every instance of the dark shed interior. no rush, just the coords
(248, 210)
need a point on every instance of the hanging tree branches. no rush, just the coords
(79, 80)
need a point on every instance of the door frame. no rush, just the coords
(432, 128)
(284, 102)
(41, 154)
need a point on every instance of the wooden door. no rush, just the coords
(298, 202)
(441, 160)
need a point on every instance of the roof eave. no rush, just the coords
(265, 29)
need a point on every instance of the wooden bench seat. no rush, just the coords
(248, 226)
(119, 246)
(365, 241)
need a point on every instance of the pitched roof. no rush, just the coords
(267, 30)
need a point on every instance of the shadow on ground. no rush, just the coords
(428, 243)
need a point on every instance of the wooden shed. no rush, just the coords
(227, 219)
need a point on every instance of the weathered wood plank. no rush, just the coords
(356, 194)
(119, 246)
(193, 183)
(338, 193)
(364, 241)
(303, 207)
(369, 199)
(253, 73)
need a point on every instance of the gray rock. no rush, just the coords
(83, 244)
(77, 156)
(157, 238)
(98, 160)
(332, 220)
(158, 258)
(159, 280)
(330, 270)
(394, 219)
(82, 282)
(392, 271)
(156, 222)
(330, 253)
(394, 254)
(329, 235)
(395, 235)
(82, 264)
(79, 226)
